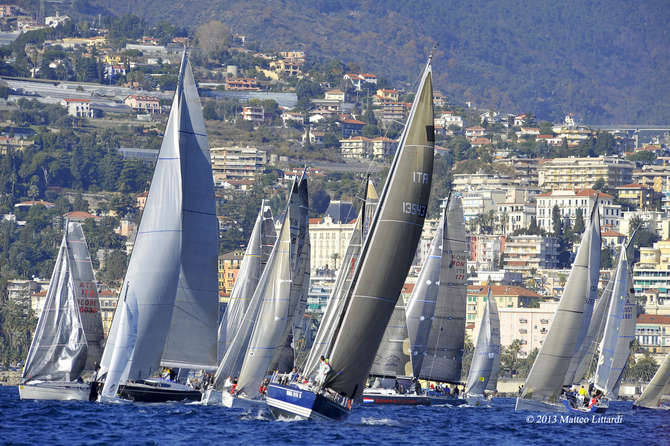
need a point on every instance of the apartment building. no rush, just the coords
(569, 201)
(237, 163)
(582, 173)
(528, 253)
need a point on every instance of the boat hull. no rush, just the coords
(152, 393)
(562, 406)
(56, 391)
(294, 402)
(443, 399)
(390, 397)
(211, 397)
(235, 402)
(477, 400)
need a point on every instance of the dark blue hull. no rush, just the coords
(592, 409)
(294, 402)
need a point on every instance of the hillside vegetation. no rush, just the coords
(605, 60)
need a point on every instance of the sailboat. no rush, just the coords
(435, 322)
(255, 259)
(68, 339)
(619, 334)
(486, 357)
(657, 387)
(168, 305)
(543, 386)
(274, 305)
(378, 277)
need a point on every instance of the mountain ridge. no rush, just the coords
(603, 60)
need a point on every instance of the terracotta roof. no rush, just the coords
(106, 293)
(633, 186)
(352, 121)
(77, 100)
(592, 193)
(612, 234)
(79, 215)
(501, 290)
(653, 319)
(315, 221)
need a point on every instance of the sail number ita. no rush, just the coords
(413, 208)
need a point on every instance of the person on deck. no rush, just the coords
(581, 395)
(263, 387)
(228, 383)
(234, 388)
(294, 374)
(324, 369)
(456, 392)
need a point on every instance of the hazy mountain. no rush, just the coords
(606, 60)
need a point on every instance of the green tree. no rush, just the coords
(579, 222)
(556, 221)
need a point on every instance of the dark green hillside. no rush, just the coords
(606, 60)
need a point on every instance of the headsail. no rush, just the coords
(546, 377)
(486, 357)
(436, 309)
(59, 349)
(388, 249)
(619, 331)
(274, 318)
(392, 358)
(179, 213)
(255, 258)
(657, 387)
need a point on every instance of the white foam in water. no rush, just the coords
(371, 421)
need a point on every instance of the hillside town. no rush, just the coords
(527, 185)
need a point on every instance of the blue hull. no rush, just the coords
(592, 409)
(293, 402)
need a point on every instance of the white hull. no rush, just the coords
(477, 400)
(212, 397)
(57, 391)
(234, 402)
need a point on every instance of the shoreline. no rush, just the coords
(10, 378)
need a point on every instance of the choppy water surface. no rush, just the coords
(73, 423)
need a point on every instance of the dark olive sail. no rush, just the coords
(388, 250)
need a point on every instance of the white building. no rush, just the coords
(465, 182)
(382, 147)
(79, 108)
(481, 202)
(529, 325)
(582, 173)
(356, 147)
(528, 253)
(328, 240)
(237, 163)
(569, 201)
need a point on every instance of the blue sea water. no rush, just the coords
(75, 423)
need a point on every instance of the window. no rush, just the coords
(523, 321)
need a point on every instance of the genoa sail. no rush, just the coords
(657, 387)
(619, 332)
(436, 309)
(162, 272)
(486, 357)
(392, 358)
(547, 374)
(387, 251)
(255, 258)
(59, 350)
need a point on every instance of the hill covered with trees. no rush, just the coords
(605, 60)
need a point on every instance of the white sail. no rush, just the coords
(159, 269)
(547, 375)
(253, 263)
(59, 349)
(657, 387)
(274, 318)
(619, 332)
(486, 357)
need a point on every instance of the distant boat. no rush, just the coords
(434, 324)
(657, 387)
(168, 306)
(378, 277)
(277, 301)
(486, 358)
(619, 334)
(68, 339)
(544, 384)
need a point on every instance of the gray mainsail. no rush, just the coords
(162, 275)
(595, 333)
(436, 309)
(274, 318)
(657, 387)
(486, 357)
(255, 258)
(388, 249)
(58, 351)
(547, 374)
(392, 358)
(619, 332)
